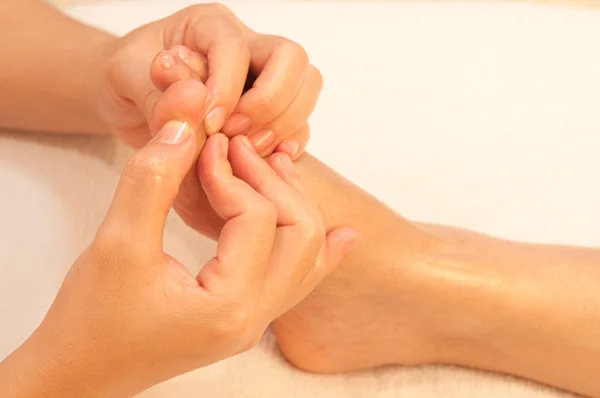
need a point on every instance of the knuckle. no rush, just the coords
(313, 232)
(219, 8)
(297, 51)
(316, 75)
(200, 10)
(238, 326)
(239, 44)
(266, 210)
(149, 170)
(268, 105)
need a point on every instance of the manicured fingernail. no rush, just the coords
(237, 124)
(223, 145)
(183, 52)
(214, 120)
(262, 139)
(174, 132)
(351, 237)
(167, 61)
(291, 148)
(287, 164)
(246, 142)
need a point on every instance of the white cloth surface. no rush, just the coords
(482, 115)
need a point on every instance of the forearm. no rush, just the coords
(47, 77)
(528, 310)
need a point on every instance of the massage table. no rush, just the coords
(480, 115)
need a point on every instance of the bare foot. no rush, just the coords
(365, 314)
(373, 310)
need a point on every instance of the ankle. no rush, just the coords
(459, 289)
(371, 311)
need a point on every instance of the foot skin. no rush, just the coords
(373, 309)
(394, 301)
(364, 315)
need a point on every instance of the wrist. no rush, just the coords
(92, 66)
(50, 83)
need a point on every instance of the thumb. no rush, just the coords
(149, 184)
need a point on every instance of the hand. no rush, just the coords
(129, 316)
(207, 44)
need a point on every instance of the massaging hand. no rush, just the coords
(207, 43)
(129, 316)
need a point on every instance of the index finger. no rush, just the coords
(228, 54)
(280, 65)
(246, 240)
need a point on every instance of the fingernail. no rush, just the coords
(167, 61)
(287, 164)
(291, 148)
(174, 132)
(262, 139)
(214, 120)
(182, 52)
(353, 239)
(237, 124)
(246, 142)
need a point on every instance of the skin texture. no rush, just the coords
(111, 90)
(409, 293)
(413, 294)
(258, 85)
(133, 310)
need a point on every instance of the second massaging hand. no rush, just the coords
(129, 316)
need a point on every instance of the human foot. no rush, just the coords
(374, 309)
(365, 314)
(404, 297)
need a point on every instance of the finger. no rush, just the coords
(196, 61)
(300, 234)
(339, 243)
(245, 243)
(184, 100)
(295, 145)
(148, 186)
(167, 69)
(280, 65)
(295, 115)
(252, 169)
(228, 59)
(286, 170)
